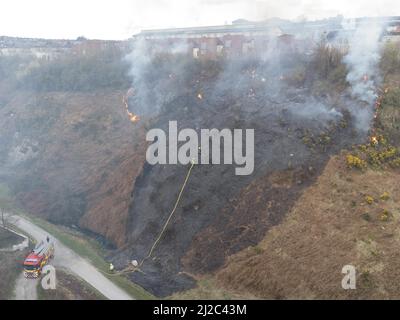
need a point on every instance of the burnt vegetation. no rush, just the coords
(298, 104)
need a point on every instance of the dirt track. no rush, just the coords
(67, 259)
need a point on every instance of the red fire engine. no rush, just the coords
(38, 258)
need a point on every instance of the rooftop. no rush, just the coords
(241, 25)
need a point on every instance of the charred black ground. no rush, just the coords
(71, 155)
(296, 130)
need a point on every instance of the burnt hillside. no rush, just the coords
(297, 127)
(71, 155)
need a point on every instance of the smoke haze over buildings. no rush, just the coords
(120, 19)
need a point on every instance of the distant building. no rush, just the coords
(246, 38)
(92, 47)
(392, 33)
(241, 38)
(51, 49)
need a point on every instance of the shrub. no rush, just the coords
(369, 199)
(355, 162)
(385, 215)
(328, 69)
(326, 59)
(385, 196)
(395, 163)
(379, 154)
(258, 250)
(366, 217)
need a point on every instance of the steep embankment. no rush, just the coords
(70, 158)
(348, 217)
(330, 226)
(75, 158)
(220, 213)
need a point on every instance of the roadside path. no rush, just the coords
(67, 259)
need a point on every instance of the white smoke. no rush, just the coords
(317, 111)
(362, 63)
(139, 60)
(151, 90)
(362, 60)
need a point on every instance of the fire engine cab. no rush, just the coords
(38, 258)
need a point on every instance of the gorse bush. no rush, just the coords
(355, 162)
(375, 155)
(369, 199)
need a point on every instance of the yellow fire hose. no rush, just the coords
(130, 270)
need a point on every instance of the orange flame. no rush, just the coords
(378, 104)
(132, 117)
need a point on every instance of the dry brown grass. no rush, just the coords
(207, 289)
(330, 226)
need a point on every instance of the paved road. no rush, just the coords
(25, 289)
(67, 259)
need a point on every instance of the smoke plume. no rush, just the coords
(362, 64)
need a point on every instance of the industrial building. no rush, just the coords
(246, 38)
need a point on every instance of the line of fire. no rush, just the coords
(249, 39)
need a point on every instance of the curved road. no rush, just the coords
(67, 259)
(26, 289)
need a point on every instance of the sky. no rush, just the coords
(120, 19)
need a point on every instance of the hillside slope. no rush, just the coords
(330, 226)
(349, 216)
(220, 213)
(73, 157)
(69, 157)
